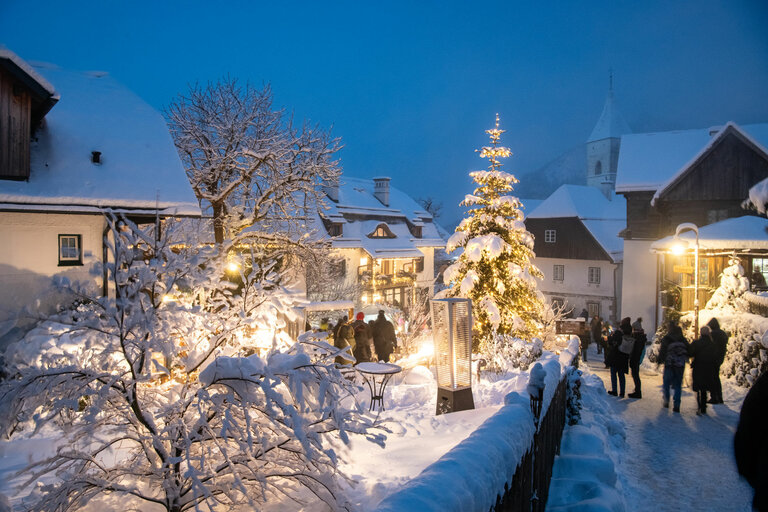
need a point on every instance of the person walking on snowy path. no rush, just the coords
(721, 342)
(674, 354)
(704, 365)
(750, 444)
(345, 337)
(363, 339)
(619, 347)
(635, 358)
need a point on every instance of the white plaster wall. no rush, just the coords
(638, 297)
(29, 260)
(575, 287)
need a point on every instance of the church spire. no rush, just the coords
(611, 123)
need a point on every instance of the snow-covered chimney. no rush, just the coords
(331, 189)
(381, 189)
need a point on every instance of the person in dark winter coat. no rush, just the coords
(363, 339)
(384, 339)
(750, 444)
(584, 342)
(705, 362)
(721, 342)
(344, 337)
(584, 314)
(674, 354)
(618, 359)
(596, 328)
(635, 357)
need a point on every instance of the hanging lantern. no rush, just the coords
(452, 328)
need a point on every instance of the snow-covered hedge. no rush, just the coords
(504, 353)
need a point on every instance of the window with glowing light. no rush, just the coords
(381, 231)
(759, 276)
(550, 236)
(70, 250)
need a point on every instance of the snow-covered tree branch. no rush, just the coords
(178, 392)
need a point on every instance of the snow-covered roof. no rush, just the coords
(603, 218)
(611, 123)
(140, 166)
(747, 232)
(648, 161)
(361, 213)
(7, 54)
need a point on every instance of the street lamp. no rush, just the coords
(678, 249)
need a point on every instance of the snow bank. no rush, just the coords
(469, 476)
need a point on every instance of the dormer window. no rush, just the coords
(381, 231)
(335, 229)
(416, 231)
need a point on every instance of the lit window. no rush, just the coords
(550, 235)
(558, 273)
(70, 250)
(381, 231)
(593, 276)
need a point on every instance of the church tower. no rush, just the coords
(603, 146)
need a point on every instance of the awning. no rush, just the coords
(737, 234)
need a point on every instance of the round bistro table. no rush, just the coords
(377, 376)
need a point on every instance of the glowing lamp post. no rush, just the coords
(678, 249)
(452, 328)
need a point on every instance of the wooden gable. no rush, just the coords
(723, 173)
(572, 239)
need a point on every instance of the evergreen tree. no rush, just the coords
(495, 269)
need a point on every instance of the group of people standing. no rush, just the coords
(624, 351)
(708, 353)
(365, 338)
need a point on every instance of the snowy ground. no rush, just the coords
(664, 461)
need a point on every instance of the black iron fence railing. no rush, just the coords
(529, 488)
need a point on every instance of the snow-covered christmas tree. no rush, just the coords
(495, 269)
(733, 284)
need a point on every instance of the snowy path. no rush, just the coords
(675, 461)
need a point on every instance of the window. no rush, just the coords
(593, 308)
(598, 168)
(716, 215)
(550, 235)
(558, 303)
(558, 273)
(70, 250)
(335, 229)
(419, 264)
(759, 273)
(381, 231)
(593, 275)
(388, 267)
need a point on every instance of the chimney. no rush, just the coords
(331, 189)
(381, 189)
(714, 130)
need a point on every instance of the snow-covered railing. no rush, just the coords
(506, 464)
(758, 304)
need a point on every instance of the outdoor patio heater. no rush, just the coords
(452, 328)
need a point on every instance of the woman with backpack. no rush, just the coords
(620, 346)
(674, 354)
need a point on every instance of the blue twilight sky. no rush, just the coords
(410, 86)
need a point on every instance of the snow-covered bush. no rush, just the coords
(573, 397)
(733, 285)
(162, 406)
(746, 357)
(504, 353)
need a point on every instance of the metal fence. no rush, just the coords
(529, 488)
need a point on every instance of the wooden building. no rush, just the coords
(697, 176)
(578, 249)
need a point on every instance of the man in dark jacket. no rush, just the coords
(618, 356)
(750, 444)
(384, 339)
(362, 339)
(705, 357)
(596, 326)
(634, 360)
(345, 337)
(673, 354)
(720, 338)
